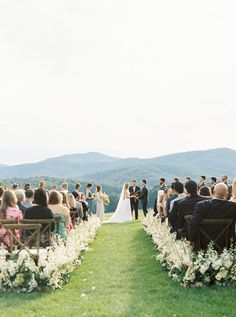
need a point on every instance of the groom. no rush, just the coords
(134, 202)
(144, 196)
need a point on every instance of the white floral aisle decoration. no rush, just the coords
(188, 267)
(20, 273)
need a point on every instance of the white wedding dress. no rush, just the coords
(123, 210)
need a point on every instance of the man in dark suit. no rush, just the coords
(134, 202)
(144, 196)
(216, 208)
(202, 180)
(183, 208)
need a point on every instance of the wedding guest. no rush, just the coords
(183, 208)
(233, 194)
(65, 201)
(100, 203)
(216, 208)
(213, 183)
(179, 189)
(73, 210)
(134, 202)
(202, 182)
(173, 195)
(29, 198)
(20, 196)
(175, 180)
(40, 209)
(1, 194)
(42, 184)
(187, 179)
(224, 179)
(79, 207)
(229, 192)
(144, 196)
(27, 186)
(9, 210)
(15, 187)
(85, 207)
(89, 196)
(64, 188)
(205, 192)
(161, 206)
(58, 210)
(163, 185)
(54, 187)
(77, 188)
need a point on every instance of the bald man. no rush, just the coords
(216, 208)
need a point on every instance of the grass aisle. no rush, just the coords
(120, 277)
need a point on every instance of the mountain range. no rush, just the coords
(102, 168)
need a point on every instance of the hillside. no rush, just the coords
(112, 170)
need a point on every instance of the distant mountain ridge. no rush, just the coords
(103, 168)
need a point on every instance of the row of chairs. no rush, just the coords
(34, 233)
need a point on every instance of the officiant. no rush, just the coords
(134, 192)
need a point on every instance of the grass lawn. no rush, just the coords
(120, 277)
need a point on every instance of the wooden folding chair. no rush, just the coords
(15, 242)
(222, 235)
(45, 233)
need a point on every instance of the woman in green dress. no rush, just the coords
(60, 212)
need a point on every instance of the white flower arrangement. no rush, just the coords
(188, 267)
(55, 264)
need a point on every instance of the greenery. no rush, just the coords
(121, 277)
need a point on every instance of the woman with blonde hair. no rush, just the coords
(73, 210)
(58, 210)
(233, 195)
(9, 210)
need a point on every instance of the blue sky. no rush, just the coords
(127, 78)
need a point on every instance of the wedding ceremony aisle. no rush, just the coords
(120, 277)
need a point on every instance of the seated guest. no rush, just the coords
(179, 189)
(205, 192)
(233, 194)
(9, 210)
(15, 187)
(1, 194)
(173, 195)
(58, 210)
(65, 201)
(27, 186)
(183, 208)
(42, 184)
(73, 210)
(20, 196)
(202, 182)
(29, 198)
(77, 188)
(64, 188)
(79, 207)
(216, 208)
(40, 210)
(224, 179)
(85, 207)
(213, 183)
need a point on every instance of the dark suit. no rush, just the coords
(134, 190)
(181, 209)
(144, 199)
(211, 209)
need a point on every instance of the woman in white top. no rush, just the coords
(100, 204)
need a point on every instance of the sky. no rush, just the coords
(129, 78)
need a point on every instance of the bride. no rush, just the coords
(123, 210)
